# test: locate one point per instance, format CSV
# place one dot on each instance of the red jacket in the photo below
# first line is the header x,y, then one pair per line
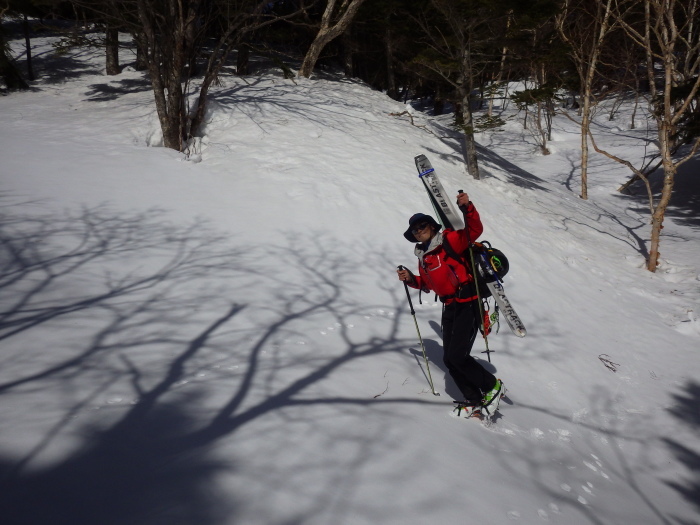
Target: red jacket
x,y
441,273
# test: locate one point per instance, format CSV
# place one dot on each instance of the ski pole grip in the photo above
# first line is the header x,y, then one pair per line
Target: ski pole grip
x,y
402,267
463,208
408,294
466,222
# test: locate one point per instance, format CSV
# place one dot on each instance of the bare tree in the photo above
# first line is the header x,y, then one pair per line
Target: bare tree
x,y
8,71
584,32
335,20
542,98
112,49
172,36
28,47
496,84
241,21
165,28
669,35
455,46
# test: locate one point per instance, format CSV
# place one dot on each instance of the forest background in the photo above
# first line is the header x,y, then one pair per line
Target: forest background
x,y
568,55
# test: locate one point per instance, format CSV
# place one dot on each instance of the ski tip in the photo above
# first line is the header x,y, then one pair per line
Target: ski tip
x,y
521,332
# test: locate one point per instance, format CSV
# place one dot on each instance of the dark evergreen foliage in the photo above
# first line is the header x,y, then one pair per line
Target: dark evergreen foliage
x,y
406,48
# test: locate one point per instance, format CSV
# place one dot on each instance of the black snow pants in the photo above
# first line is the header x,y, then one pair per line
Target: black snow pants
x,y
460,324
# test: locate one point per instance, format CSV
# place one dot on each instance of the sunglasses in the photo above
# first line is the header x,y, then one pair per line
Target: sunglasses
x,y
419,227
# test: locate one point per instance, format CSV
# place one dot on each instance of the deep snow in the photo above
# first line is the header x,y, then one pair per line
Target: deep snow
x,y
223,339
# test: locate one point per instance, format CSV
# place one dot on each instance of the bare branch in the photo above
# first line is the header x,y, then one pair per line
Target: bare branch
x,y
692,152
627,163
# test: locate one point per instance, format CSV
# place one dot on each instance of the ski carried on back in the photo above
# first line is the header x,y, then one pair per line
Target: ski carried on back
x,y
512,318
443,207
495,286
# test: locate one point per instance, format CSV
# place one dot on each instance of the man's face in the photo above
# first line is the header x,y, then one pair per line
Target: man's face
x,y
423,231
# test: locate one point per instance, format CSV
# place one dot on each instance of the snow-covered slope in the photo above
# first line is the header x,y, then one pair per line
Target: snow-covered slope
x,y
225,341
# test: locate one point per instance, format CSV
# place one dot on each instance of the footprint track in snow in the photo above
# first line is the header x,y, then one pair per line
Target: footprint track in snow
x,y
543,514
335,327
379,313
587,489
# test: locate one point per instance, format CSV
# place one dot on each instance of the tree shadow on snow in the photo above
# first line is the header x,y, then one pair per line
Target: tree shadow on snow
x,y
132,473
53,68
570,462
491,164
684,207
514,174
117,87
138,312
72,60
434,353
257,97
686,410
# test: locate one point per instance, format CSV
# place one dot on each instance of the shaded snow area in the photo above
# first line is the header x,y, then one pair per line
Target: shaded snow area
x,y
222,339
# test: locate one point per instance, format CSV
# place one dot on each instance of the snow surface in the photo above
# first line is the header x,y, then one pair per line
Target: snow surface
x,y
224,340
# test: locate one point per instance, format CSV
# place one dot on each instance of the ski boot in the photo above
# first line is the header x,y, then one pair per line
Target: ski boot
x,y
489,405
467,409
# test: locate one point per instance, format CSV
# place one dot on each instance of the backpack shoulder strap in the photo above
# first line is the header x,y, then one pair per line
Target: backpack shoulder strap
x,y
450,251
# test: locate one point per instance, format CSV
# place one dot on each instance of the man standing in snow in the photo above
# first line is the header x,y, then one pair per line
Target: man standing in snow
x,y
452,281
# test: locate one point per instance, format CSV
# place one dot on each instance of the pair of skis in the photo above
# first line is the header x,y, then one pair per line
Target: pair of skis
x,y
450,219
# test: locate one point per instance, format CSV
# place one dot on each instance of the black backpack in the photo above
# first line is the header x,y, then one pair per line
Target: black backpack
x,y
493,259
491,263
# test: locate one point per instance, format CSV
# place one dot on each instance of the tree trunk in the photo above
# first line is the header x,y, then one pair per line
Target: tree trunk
x,y
28,46
112,50
166,82
470,156
328,32
585,126
541,131
497,82
501,67
390,77
592,67
348,52
9,72
585,112
217,59
633,124
190,35
657,218
243,60
438,102
307,66
141,51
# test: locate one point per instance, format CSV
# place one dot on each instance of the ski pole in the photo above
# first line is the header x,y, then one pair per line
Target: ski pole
x,y
413,313
475,272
